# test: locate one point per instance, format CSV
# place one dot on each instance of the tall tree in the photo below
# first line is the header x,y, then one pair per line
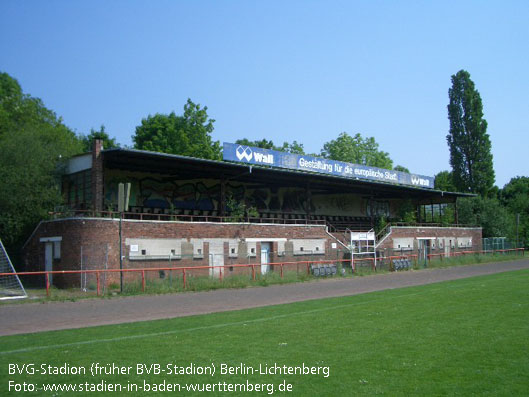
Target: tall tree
x,y
186,135
401,168
357,150
488,213
443,181
108,142
294,147
515,196
469,143
33,144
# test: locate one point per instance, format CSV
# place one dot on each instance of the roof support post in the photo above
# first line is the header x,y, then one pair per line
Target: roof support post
x,y
309,200
97,175
222,203
455,212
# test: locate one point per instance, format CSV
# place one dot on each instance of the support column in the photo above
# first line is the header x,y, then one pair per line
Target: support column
x,y
97,175
222,203
309,200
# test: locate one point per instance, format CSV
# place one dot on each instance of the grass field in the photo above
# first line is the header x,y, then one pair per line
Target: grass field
x,y
463,337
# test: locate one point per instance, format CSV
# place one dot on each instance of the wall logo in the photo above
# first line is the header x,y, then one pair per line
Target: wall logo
x,y
420,181
244,153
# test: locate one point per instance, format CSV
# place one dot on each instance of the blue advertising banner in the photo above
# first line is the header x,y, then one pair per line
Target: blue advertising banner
x,y
273,158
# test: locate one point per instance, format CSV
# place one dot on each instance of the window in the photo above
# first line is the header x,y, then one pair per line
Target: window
x,y
56,250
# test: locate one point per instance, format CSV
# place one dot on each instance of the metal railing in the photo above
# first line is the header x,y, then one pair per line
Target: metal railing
x,y
185,271
191,217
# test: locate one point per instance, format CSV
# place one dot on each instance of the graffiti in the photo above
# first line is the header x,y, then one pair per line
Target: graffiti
x,y
167,193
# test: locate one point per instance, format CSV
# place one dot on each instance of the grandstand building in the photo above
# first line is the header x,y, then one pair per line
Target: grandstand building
x,y
185,211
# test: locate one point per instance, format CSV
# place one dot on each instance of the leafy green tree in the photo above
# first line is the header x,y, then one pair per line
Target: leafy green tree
x,y
108,142
407,212
34,144
186,135
469,143
357,150
401,168
488,213
443,181
515,196
294,147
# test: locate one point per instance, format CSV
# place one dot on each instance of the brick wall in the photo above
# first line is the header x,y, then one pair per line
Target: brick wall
x,y
435,232
103,234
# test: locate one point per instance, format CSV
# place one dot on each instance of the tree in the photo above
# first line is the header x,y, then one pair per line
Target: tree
x,y
469,143
34,144
515,196
401,168
356,150
294,147
186,135
488,213
108,143
443,181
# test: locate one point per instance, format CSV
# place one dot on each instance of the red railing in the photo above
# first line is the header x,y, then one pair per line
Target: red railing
x,y
183,270
222,268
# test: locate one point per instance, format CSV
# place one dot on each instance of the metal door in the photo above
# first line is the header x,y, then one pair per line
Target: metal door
x,y
265,256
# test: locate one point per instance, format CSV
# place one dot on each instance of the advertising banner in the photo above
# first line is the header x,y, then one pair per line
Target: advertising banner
x,y
273,158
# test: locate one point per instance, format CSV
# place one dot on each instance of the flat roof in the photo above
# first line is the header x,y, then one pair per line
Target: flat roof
x,y
185,168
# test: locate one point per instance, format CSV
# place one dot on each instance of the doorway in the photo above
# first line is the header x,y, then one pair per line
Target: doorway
x,y
48,260
424,250
265,257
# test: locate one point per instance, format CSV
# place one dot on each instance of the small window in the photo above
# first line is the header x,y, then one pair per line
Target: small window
x,y
233,250
231,268
144,252
317,248
301,248
199,251
252,250
56,250
173,252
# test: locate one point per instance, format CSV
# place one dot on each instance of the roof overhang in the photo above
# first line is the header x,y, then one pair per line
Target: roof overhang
x,y
184,168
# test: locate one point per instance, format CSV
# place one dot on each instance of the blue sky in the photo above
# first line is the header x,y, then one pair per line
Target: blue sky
x,y
281,70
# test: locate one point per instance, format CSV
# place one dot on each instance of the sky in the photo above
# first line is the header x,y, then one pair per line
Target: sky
x,y
280,70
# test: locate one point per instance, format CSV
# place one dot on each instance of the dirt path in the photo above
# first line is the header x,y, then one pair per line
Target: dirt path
x,y
37,317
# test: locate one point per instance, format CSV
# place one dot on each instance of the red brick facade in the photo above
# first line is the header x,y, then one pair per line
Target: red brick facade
x,y
96,240
100,234
474,233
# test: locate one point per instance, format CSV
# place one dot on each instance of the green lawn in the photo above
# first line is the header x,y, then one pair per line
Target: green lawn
x,y
463,337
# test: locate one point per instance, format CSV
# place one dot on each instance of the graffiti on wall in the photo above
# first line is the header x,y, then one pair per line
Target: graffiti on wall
x,y
153,191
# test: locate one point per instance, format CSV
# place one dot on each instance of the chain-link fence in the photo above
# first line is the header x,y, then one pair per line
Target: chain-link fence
x,y
501,243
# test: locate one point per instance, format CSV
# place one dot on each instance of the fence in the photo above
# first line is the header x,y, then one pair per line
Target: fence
x,y
179,278
182,274
500,243
386,257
